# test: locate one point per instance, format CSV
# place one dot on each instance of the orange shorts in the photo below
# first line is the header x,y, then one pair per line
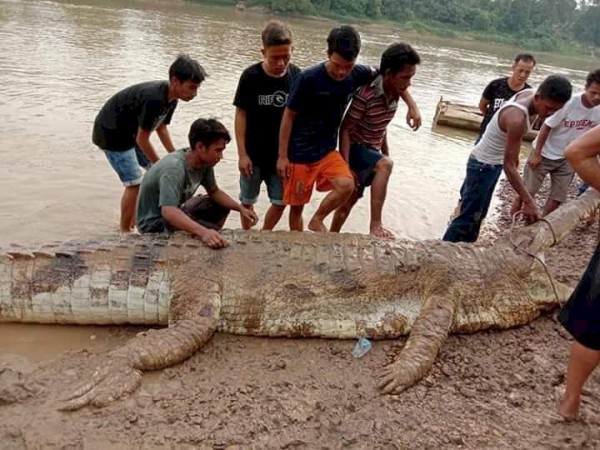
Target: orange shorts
x,y
298,187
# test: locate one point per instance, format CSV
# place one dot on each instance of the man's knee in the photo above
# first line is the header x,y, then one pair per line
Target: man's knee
x,y
384,165
344,186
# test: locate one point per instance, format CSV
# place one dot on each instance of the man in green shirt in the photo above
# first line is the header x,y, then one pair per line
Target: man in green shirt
x,y
166,200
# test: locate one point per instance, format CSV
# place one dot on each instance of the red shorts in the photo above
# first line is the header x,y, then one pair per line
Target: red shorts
x,y
298,187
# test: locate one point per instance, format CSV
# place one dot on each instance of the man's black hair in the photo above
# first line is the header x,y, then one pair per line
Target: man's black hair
x,y
556,88
185,68
207,131
397,56
525,57
276,33
345,41
593,77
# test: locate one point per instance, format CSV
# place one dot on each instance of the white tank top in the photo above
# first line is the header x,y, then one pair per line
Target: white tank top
x,y
490,149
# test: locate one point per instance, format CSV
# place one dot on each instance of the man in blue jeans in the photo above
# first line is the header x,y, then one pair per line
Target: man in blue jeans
x,y
499,149
124,124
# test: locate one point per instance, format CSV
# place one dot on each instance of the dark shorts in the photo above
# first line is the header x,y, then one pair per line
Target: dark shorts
x,y
581,314
362,163
201,209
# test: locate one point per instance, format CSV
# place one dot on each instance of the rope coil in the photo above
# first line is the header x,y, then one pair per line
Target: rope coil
x,y
528,253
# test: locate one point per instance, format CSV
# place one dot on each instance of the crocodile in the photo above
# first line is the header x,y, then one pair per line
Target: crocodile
x,y
280,283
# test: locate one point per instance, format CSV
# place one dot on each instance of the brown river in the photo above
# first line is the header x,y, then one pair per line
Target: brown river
x,y
60,60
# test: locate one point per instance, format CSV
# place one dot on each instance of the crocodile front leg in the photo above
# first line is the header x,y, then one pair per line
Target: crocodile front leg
x,y
195,317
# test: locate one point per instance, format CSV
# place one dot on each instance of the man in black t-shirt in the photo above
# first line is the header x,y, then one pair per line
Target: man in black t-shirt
x,y
123,126
501,89
259,100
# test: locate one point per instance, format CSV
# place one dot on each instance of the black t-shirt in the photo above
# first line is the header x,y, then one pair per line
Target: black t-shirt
x,y
143,105
263,98
320,102
496,93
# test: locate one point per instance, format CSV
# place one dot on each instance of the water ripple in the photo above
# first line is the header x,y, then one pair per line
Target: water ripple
x,y
59,62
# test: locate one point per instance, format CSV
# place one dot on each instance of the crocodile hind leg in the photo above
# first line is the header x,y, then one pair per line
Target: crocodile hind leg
x,y
195,318
416,358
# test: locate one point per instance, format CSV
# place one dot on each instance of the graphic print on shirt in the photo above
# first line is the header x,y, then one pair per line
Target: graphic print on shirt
x,y
278,99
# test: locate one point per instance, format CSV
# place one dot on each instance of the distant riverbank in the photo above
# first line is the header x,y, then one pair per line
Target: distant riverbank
x,y
303,8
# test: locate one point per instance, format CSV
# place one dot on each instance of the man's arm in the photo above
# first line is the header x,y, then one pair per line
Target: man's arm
x,y
222,198
513,122
346,129
583,154
384,146
165,137
535,158
244,161
354,115
285,131
487,96
142,139
413,116
484,103
181,221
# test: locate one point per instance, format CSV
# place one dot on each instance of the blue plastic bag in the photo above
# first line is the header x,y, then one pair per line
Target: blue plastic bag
x,y
362,347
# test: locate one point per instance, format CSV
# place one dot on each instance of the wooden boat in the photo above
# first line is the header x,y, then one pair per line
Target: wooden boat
x,y
463,116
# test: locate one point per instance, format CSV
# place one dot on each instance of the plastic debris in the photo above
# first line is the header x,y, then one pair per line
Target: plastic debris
x,y
362,347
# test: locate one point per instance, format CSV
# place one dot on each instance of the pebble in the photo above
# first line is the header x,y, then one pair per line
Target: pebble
x,y
467,392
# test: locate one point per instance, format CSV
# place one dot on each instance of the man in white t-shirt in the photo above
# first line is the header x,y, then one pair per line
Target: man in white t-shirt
x,y
579,115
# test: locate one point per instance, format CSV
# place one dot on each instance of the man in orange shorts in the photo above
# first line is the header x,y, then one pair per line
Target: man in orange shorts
x,y
309,127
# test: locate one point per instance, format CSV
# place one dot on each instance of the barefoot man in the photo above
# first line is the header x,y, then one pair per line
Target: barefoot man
x,y
309,129
363,136
581,314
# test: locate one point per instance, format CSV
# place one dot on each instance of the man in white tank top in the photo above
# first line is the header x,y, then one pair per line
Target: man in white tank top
x,y
579,115
499,148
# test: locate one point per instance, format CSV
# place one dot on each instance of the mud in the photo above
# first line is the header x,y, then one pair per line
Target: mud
x,y
486,390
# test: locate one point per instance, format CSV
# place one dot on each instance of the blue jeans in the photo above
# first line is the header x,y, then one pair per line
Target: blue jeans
x,y
582,188
250,187
128,165
475,198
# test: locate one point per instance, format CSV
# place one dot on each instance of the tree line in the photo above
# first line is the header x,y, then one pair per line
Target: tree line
x,y
537,24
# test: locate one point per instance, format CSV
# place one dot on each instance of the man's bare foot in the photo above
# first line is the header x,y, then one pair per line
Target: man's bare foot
x,y
382,233
317,226
568,408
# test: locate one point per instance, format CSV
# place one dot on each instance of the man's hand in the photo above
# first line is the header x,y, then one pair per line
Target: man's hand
x,y
249,215
534,161
284,169
530,212
245,166
413,118
516,206
213,239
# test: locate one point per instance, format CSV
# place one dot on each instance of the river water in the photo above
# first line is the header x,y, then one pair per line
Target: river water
x,y
60,60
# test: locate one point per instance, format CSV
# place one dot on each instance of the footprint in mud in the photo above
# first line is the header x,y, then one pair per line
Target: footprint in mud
x,y
15,386
11,438
567,435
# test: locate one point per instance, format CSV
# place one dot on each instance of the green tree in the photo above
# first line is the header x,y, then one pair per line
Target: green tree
x,y
587,26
